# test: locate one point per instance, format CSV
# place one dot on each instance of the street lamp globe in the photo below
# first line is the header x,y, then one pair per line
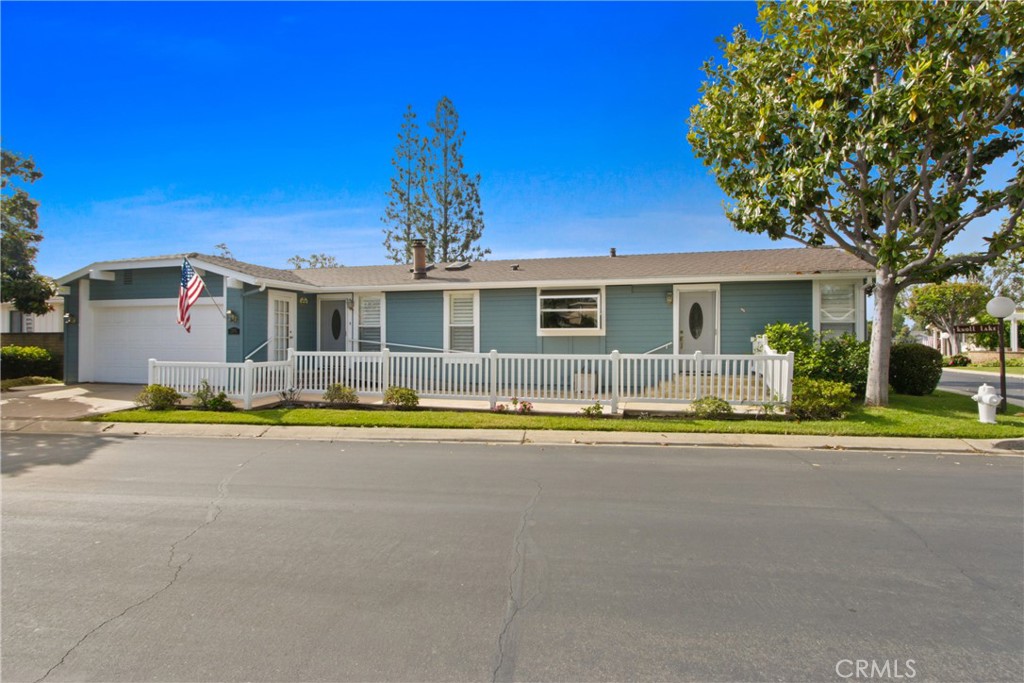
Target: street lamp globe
x,y
1000,307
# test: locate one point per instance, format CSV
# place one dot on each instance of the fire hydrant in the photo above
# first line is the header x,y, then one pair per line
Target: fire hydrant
x,y
988,400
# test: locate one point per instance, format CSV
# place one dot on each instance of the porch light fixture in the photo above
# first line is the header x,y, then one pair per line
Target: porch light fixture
x,y
303,300
231,316
70,319
668,297
1001,308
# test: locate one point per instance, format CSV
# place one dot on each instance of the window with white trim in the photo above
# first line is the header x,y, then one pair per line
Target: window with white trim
x,y
371,323
461,322
838,308
570,311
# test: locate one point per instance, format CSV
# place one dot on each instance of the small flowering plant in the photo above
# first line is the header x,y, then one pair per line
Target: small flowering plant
x,y
521,407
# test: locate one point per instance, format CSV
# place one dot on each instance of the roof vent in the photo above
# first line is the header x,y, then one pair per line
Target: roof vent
x,y
611,252
458,265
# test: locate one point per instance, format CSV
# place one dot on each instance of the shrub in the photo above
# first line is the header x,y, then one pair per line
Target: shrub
x,y
711,407
783,338
820,399
25,361
593,412
823,356
205,399
401,397
841,359
158,397
957,361
914,369
339,393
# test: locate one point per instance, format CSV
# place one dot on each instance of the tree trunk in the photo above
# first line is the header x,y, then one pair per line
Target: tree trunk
x,y
877,392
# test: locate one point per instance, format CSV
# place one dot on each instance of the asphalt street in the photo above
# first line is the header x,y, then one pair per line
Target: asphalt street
x,y
964,382
185,559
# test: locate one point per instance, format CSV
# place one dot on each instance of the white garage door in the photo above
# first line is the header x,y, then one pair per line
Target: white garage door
x,y
126,337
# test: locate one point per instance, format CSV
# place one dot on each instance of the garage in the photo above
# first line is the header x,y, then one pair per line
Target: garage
x,y
125,336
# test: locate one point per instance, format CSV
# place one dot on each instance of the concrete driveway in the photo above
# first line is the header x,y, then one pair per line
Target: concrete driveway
x,y
63,402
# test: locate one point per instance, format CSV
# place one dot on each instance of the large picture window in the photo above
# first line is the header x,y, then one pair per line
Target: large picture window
x,y
570,311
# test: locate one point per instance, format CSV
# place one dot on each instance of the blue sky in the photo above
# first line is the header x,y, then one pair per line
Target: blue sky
x,y
171,127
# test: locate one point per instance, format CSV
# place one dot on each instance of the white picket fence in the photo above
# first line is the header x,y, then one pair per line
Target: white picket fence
x,y
758,379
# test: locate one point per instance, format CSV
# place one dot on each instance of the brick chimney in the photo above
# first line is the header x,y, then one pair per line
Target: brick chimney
x,y
419,259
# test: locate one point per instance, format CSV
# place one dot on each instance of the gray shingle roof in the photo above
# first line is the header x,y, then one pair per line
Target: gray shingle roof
x,y
622,268
695,266
262,272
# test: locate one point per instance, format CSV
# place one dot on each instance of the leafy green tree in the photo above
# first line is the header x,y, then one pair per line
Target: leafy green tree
x,y
1005,277
405,216
19,214
871,126
314,261
454,220
947,305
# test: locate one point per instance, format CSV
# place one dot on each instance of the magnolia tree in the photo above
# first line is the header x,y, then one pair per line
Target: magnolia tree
x,y
947,305
885,129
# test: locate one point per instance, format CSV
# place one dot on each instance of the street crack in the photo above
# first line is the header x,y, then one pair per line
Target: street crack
x,y
213,511
522,545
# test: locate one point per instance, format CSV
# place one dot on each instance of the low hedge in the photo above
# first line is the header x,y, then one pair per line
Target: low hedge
x,y
27,361
820,399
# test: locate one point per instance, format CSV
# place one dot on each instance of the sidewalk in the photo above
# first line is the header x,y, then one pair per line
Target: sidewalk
x,y
54,409
520,437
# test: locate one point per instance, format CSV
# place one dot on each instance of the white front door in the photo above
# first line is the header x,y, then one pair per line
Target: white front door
x,y
280,325
697,321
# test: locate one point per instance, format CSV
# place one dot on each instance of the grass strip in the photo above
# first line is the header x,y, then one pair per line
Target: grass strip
x,y
938,415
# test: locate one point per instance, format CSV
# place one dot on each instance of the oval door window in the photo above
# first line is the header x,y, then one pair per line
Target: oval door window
x,y
336,324
696,320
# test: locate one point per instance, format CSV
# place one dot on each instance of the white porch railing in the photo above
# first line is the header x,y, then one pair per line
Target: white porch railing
x,y
239,381
760,379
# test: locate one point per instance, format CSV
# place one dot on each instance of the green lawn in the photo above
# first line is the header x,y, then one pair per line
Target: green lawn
x,y
939,415
989,368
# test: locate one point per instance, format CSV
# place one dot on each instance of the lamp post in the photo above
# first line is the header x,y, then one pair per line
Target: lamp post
x,y
1001,307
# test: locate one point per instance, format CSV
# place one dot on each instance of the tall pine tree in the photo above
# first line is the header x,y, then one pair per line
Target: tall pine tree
x,y
405,214
431,195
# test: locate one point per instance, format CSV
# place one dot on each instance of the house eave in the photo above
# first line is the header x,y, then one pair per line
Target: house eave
x,y
198,263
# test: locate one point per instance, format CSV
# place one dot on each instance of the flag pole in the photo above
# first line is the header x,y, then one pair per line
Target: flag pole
x,y
207,290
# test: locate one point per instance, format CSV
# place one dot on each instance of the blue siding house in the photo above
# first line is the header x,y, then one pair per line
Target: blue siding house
x,y
122,313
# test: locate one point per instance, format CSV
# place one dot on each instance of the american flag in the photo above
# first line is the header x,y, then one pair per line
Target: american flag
x,y
191,288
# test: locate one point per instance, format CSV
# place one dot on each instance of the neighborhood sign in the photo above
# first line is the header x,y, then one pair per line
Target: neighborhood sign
x,y
975,329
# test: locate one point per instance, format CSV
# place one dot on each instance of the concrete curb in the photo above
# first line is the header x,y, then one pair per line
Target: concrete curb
x,y
1001,447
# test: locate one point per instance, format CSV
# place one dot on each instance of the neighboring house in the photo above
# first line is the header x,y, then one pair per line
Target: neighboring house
x,y
16,322
714,302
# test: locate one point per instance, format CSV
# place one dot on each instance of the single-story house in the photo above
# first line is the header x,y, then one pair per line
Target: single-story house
x,y
124,312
